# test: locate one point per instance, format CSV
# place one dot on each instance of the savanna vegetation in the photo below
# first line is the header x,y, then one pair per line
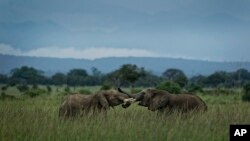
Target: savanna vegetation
x,y
30,101
128,75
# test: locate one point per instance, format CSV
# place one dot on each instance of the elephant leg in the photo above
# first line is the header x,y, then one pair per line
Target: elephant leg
x,y
166,110
74,111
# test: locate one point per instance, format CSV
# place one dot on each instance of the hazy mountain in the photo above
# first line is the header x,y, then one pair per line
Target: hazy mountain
x,y
155,65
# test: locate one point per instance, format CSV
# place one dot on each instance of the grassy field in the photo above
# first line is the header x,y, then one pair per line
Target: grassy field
x,y
37,119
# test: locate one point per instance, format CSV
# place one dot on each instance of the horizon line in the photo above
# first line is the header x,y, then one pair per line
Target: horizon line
x,y
153,57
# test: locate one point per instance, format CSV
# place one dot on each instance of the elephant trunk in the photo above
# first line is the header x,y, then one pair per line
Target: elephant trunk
x,y
135,96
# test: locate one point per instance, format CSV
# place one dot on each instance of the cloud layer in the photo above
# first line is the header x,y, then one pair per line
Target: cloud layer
x,y
71,52
203,30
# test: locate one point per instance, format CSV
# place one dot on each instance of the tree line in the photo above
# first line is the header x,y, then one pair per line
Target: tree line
x,y
127,75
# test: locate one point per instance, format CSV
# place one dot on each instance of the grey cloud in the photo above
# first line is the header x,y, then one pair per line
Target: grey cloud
x,y
194,28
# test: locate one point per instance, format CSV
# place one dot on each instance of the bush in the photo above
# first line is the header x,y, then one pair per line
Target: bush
x,y
246,95
23,88
4,88
5,96
219,91
2,95
170,86
85,91
67,89
34,86
136,90
105,86
48,88
194,88
63,93
35,92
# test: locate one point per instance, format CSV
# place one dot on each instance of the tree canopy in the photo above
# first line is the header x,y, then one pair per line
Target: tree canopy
x,y
176,75
126,75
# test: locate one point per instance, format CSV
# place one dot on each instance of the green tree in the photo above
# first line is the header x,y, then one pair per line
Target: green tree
x,y
176,75
59,79
198,80
216,79
27,75
113,78
149,80
240,77
96,72
77,77
96,78
131,73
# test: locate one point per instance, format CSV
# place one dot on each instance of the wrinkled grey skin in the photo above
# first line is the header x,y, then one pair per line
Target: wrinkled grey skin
x,y
77,104
164,101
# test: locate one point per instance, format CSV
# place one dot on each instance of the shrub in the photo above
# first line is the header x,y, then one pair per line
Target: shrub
x,y
106,86
136,90
23,88
4,88
35,92
194,88
219,91
34,86
67,89
246,95
5,96
170,86
2,95
63,93
85,91
48,88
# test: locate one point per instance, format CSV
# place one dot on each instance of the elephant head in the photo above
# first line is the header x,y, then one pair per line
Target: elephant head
x,y
113,98
137,96
153,99
145,97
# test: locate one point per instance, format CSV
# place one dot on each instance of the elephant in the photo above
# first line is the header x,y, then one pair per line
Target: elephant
x,y
164,101
77,104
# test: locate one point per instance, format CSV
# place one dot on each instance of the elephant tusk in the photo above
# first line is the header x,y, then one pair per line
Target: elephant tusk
x,y
129,100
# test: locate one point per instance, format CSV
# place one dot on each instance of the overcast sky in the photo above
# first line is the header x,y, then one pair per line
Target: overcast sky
x,y
217,30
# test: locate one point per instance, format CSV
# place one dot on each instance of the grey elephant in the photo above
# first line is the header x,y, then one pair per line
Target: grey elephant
x,y
77,104
163,101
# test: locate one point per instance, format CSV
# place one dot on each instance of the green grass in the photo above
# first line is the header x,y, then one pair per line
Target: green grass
x,y
37,119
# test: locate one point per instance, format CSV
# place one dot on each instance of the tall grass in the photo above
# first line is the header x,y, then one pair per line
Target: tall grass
x,y
37,119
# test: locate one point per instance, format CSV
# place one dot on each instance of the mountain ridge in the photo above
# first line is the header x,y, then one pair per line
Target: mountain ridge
x,y
156,65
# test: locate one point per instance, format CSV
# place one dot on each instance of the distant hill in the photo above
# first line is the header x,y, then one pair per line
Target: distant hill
x,y
155,65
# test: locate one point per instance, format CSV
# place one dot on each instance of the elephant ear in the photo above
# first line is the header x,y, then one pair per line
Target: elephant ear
x,y
164,101
158,101
102,100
